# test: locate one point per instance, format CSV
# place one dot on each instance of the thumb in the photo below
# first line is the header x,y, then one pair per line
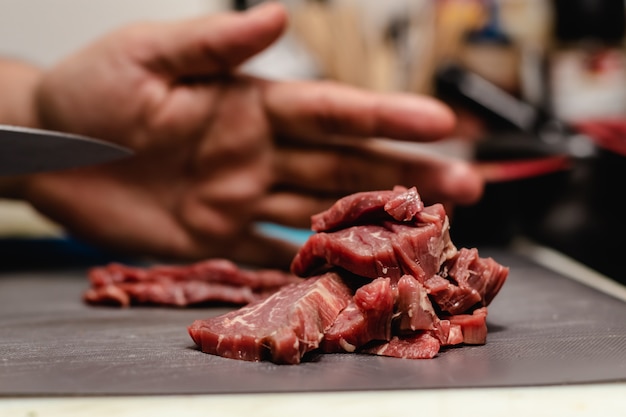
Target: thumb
x,y
212,44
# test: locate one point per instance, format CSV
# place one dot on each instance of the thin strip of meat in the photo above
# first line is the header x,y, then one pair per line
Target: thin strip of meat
x,y
282,328
366,207
421,345
211,281
211,270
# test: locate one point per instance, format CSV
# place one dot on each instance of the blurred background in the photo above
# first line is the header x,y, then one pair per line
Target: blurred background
x,y
539,87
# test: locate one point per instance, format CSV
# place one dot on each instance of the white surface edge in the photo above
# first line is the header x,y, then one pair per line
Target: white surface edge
x,y
556,261
577,401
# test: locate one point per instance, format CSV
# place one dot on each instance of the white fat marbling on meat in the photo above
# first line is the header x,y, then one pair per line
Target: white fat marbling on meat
x,y
345,345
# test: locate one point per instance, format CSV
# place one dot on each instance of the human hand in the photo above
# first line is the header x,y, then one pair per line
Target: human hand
x,y
218,151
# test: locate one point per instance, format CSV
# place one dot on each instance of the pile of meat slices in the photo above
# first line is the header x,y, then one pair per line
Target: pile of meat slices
x,y
381,277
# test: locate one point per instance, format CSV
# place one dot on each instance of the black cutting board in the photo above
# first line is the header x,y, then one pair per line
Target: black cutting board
x,y
544,329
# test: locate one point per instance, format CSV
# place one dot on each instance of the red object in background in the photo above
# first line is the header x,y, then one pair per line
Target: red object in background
x,y
501,171
608,134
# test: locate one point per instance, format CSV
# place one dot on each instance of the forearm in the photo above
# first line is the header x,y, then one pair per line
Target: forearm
x,y
18,84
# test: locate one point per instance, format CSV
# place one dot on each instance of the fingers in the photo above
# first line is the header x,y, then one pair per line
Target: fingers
x,y
460,183
336,172
212,44
312,111
291,209
254,249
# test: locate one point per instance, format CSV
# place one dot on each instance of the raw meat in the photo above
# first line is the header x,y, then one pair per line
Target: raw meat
x,y
386,249
403,207
415,311
282,328
215,280
367,317
466,281
417,346
400,203
401,288
472,326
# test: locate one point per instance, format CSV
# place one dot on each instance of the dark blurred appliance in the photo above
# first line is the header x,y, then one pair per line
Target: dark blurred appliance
x,y
578,211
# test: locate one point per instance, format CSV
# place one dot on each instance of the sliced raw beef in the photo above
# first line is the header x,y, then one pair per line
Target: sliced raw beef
x,y
418,346
404,207
381,276
367,317
216,280
381,309
466,281
414,309
386,249
483,275
400,203
282,328
473,326
172,293
384,279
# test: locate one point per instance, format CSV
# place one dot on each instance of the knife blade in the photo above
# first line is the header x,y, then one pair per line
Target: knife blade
x,y
26,150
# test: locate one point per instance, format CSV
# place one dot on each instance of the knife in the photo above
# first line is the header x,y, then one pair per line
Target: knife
x,y
26,150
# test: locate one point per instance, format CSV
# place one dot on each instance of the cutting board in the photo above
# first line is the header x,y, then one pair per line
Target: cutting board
x,y
544,329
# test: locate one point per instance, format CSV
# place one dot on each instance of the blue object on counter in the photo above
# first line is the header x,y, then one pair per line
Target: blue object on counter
x,y
295,235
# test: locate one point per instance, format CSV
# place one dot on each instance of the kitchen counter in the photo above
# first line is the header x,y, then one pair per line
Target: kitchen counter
x,y
552,401
577,398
